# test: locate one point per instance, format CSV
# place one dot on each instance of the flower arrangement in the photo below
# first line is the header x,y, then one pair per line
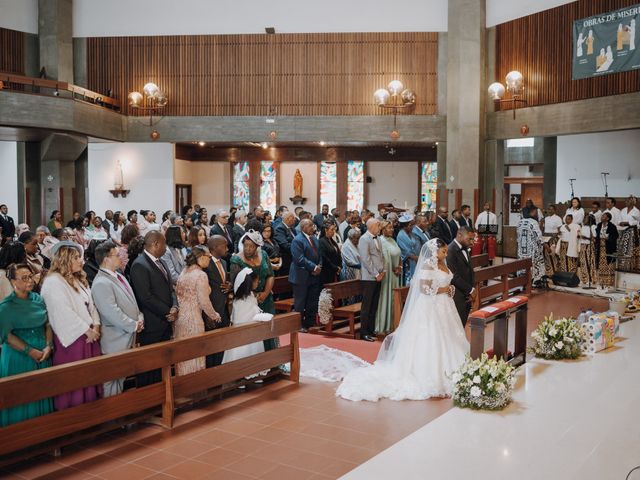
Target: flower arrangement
x,y
557,339
483,384
325,306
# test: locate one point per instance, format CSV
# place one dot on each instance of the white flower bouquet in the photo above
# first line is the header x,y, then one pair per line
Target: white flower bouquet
x,y
483,384
557,339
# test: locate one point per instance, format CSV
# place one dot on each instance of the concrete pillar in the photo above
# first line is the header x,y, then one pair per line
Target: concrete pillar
x,y
33,203
31,55
465,95
80,62
442,73
550,151
55,32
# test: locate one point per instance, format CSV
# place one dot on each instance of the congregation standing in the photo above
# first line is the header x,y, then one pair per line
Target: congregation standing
x,y
99,285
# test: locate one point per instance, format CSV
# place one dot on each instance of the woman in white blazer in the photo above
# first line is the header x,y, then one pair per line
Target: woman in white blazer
x,y
73,317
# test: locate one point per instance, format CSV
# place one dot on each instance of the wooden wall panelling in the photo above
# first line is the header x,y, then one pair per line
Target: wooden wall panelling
x,y
311,74
12,51
540,47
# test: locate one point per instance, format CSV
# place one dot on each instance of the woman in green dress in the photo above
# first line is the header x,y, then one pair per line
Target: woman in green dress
x,y
27,339
251,255
393,266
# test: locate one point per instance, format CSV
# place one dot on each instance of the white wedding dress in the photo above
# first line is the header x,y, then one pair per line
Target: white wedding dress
x,y
417,360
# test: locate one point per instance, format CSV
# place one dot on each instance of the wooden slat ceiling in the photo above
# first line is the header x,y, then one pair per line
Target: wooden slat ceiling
x,y
540,47
298,74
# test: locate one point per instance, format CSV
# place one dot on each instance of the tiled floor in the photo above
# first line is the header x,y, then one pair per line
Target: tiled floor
x,y
280,431
570,420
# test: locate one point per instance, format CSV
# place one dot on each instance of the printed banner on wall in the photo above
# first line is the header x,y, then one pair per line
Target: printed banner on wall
x,y
606,43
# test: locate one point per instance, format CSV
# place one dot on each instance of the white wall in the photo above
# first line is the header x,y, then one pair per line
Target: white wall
x,y
21,15
309,171
148,173
211,185
182,172
190,17
583,157
501,11
9,177
393,182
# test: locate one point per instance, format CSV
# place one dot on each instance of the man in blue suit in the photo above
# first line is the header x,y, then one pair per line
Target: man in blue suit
x,y
420,229
304,273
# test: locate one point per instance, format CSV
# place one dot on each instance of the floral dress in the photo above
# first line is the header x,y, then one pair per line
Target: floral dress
x,y
193,293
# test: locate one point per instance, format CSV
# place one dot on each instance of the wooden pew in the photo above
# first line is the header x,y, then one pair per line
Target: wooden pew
x,y
505,286
343,321
400,294
282,288
64,427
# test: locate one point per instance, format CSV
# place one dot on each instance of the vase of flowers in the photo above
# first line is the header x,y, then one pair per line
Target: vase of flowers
x,y
557,339
483,384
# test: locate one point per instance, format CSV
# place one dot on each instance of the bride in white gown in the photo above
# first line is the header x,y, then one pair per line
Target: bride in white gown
x,y
416,361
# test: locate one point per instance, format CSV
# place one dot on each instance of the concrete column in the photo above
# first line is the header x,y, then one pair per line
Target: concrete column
x,y
442,73
80,62
550,152
55,32
466,41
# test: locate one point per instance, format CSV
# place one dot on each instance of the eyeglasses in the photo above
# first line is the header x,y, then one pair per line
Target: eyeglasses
x,y
26,278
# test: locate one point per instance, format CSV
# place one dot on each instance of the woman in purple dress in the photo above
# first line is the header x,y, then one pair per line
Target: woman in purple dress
x,y
73,318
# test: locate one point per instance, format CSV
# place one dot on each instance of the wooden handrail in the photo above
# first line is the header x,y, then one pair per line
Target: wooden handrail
x,y
48,382
75,90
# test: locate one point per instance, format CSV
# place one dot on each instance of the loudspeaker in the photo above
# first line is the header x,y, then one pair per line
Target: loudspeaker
x,y
369,180
565,279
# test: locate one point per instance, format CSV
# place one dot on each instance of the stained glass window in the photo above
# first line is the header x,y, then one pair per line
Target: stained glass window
x,y
355,185
268,185
241,185
428,185
328,183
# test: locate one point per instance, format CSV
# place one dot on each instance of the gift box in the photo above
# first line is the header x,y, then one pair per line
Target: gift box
x,y
601,331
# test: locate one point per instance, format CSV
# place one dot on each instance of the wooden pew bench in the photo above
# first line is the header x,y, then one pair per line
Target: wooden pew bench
x,y
57,429
343,321
281,290
499,314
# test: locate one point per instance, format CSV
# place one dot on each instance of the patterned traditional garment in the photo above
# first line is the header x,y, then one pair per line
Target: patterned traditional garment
x,y
550,257
587,263
629,247
530,246
566,263
606,267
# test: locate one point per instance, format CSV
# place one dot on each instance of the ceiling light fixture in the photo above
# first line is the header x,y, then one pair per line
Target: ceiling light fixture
x,y
397,98
514,85
152,101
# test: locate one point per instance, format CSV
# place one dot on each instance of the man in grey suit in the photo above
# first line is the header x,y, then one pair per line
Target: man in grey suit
x,y
373,272
119,314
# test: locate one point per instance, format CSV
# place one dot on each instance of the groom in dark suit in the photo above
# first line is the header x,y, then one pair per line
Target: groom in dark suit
x,y
304,273
459,262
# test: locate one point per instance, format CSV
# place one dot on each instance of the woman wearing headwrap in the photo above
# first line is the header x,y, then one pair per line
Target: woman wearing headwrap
x,y
251,255
409,247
